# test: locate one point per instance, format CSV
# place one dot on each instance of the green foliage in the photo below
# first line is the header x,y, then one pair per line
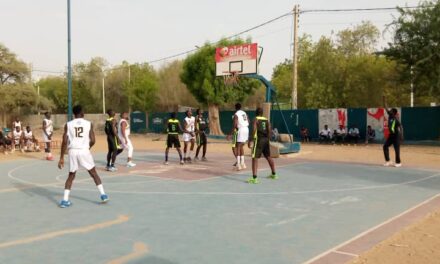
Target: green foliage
x,y
55,89
17,95
143,87
12,70
199,76
417,44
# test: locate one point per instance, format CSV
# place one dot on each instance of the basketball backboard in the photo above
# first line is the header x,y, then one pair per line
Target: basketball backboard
x,y
238,59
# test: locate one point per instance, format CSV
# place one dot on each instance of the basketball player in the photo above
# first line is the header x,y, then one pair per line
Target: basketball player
x,y
78,138
47,135
394,137
30,141
173,128
18,139
114,149
261,140
124,133
188,135
241,125
17,123
201,127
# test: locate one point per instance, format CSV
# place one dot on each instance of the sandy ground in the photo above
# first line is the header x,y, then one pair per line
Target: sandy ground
x,y
419,243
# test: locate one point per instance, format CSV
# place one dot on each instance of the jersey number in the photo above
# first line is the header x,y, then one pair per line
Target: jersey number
x,y
263,124
78,132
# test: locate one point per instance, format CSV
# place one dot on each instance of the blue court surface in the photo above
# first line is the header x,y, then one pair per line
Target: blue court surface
x,y
198,213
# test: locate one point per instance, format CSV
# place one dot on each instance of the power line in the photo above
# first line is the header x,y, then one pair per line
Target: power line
x,y
356,9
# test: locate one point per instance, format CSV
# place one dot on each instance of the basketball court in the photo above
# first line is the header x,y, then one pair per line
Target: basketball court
x,y
206,213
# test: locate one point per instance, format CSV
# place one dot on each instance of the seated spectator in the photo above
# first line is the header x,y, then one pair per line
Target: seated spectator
x,y
325,135
30,142
354,135
18,139
305,134
5,143
371,134
340,134
275,135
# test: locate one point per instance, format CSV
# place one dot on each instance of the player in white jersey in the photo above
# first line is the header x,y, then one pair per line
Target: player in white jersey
x,y
78,138
30,142
17,135
188,135
124,138
17,123
47,135
241,125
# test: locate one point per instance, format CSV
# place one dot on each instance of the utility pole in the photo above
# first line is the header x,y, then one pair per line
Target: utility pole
x,y
295,58
103,95
69,66
412,86
129,89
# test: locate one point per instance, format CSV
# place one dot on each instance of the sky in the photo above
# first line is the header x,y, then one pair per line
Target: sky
x,y
139,31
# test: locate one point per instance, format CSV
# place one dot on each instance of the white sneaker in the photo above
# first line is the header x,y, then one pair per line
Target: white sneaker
x,y
165,163
238,167
398,165
387,164
243,166
131,164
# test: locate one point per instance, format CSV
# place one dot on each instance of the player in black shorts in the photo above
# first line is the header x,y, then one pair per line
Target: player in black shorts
x,y
114,148
394,137
201,139
173,128
261,145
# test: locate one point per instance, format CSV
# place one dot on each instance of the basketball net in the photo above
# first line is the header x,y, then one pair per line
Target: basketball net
x,y
232,79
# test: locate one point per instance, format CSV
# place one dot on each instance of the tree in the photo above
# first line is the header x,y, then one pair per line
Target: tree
x,y
54,88
12,70
199,76
416,45
143,87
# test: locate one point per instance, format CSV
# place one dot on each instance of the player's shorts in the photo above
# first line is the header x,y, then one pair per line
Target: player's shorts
x,y
261,146
173,141
46,139
80,157
187,137
234,139
243,135
112,143
201,139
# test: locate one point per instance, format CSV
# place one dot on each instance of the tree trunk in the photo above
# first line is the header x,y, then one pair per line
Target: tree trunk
x,y
214,120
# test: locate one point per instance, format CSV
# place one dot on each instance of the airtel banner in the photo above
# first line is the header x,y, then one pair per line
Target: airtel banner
x,y
237,52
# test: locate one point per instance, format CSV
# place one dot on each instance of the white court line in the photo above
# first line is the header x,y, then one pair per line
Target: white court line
x,y
334,249
346,253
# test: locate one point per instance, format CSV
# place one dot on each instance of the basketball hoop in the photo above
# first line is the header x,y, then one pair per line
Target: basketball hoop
x,y
232,79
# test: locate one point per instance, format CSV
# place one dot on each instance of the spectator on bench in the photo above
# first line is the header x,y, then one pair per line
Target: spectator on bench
x,y
305,134
275,135
30,142
340,134
325,135
18,139
5,142
353,134
371,134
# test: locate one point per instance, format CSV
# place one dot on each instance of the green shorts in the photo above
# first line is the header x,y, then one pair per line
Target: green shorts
x,y
261,146
173,141
201,139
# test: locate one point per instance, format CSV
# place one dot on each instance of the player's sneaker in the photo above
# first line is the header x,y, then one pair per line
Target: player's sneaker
x,y
238,167
166,163
196,159
204,159
64,204
189,160
234,165
111,168
243,166
398,165
253,181
131,164
182,162
273,177
387,164
104,198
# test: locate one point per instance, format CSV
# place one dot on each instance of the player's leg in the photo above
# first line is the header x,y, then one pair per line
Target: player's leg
x,y
386,150
396,145
185,146
116,151
205,147
199,146
191,149
67,187
98,183
176,143
256,154
109,153
180,155
130,150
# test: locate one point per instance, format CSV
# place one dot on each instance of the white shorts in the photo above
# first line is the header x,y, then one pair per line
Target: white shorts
x,y
187,137
243,135
46,139
80,157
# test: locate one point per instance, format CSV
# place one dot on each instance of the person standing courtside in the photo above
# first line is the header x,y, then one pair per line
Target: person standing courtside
x,y
188,136
201,127
114,148
173,128
261,135
394,137
124,138
241,125
47,135
78,138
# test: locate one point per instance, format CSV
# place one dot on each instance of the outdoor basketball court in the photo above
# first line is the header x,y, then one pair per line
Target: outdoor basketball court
x,y
206,213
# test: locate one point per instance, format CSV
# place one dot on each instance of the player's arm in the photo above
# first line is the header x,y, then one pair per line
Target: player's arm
x,y
254,130
92,136
123,126
234,126
385,105
180,127
269,130
44,129
63,148
115,130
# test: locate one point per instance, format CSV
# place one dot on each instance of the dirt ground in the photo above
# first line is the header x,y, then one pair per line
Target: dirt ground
x,y
419,243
